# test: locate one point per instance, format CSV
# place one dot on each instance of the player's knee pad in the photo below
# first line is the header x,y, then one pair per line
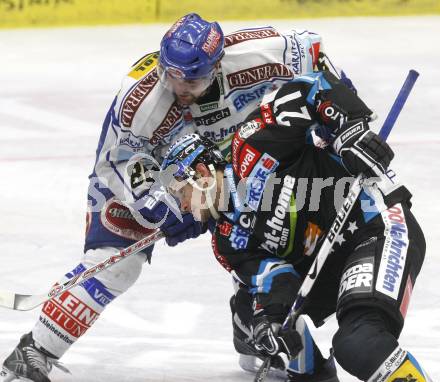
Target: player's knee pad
x,y
400,366
363,340
119,277
382,270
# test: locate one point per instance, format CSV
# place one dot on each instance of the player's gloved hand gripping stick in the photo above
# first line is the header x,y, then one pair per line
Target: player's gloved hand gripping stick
x,y
339,222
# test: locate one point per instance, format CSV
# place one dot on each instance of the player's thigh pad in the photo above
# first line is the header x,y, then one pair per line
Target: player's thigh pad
x,y
119,277
381,271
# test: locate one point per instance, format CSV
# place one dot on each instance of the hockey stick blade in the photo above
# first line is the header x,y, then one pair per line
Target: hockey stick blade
x,y
16,301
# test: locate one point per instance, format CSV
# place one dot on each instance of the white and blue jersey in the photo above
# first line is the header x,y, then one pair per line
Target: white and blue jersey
x,y
145,118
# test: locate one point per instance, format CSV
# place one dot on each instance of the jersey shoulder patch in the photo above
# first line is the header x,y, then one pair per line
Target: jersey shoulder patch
x,y
144,66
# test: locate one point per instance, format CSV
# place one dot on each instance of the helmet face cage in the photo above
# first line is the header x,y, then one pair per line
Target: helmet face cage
x,y
190,50
189,150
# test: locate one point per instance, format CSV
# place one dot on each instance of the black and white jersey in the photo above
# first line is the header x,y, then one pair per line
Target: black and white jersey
x,y
284,190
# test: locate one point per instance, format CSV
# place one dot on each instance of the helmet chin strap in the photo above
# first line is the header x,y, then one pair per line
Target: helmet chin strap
x,y
207,191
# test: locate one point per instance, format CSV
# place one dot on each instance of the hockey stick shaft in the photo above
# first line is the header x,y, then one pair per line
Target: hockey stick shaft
x,y
347,205
339,222
17,301
398,104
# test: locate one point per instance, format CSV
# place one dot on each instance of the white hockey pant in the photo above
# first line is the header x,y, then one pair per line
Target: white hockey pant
x,y
67,317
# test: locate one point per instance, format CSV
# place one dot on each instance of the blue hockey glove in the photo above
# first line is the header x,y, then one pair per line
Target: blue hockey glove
x,y
176,231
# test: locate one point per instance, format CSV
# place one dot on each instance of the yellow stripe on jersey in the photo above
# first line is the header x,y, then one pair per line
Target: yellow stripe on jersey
x,y
144,66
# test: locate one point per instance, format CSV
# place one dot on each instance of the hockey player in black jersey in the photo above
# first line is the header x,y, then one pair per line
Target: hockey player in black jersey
x,y
274,203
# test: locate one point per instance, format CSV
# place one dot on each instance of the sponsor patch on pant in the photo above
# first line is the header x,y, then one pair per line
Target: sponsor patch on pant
x,y
70,314
357,278
392,264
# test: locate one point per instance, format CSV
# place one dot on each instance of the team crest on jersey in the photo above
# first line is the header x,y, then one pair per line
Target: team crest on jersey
x,y
249,128
118,219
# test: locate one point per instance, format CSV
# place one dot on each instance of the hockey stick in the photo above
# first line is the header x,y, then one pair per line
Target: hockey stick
x,y
340,220
17,301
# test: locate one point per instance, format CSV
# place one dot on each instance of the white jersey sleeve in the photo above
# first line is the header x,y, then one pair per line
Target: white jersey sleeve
x,y
142,121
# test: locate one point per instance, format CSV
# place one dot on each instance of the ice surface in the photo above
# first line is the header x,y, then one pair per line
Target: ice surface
x,y
174,324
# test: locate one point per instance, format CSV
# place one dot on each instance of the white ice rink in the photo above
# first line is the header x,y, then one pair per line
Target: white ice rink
x,y
174,324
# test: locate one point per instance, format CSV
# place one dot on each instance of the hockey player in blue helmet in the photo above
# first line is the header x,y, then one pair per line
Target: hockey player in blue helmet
x,y
263,236
180,88
190,53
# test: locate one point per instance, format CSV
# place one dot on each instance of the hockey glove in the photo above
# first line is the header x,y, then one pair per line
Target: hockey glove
x,y
176,231
361,150
271,340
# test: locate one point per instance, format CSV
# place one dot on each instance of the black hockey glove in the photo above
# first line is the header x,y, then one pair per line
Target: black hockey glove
x,y
271,340
361,150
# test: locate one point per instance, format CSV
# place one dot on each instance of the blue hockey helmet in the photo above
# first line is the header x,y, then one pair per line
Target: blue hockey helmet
x,y
184,155
189,150
191,49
